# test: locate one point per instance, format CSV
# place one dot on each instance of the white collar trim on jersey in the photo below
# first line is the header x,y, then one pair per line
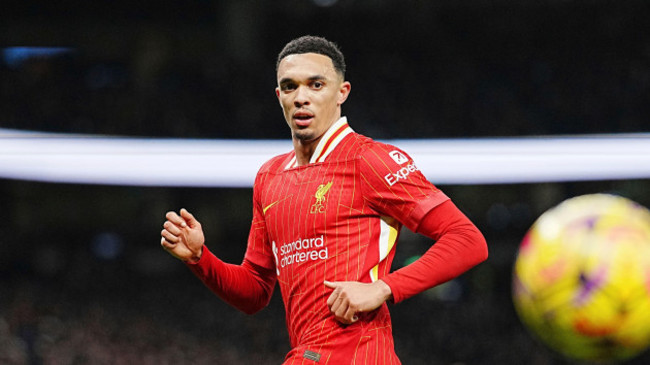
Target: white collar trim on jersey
x,y
332,137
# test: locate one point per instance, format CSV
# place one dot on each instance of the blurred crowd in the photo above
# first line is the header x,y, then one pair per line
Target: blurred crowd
x,y
172,325
178,322
42,327
427,70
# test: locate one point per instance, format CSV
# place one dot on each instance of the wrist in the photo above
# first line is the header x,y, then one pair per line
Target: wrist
x,y
196,257
385,290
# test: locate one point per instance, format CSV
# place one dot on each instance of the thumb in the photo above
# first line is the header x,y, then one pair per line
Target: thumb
x,y
189,218
329,284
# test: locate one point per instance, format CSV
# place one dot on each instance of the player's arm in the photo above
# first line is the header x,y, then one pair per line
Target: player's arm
x,y
247,287
394,186
349,298
459,247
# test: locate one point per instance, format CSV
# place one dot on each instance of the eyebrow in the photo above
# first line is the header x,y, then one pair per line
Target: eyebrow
x,y
312,78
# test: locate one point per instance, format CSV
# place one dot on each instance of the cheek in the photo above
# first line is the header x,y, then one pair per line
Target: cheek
x,y
331,102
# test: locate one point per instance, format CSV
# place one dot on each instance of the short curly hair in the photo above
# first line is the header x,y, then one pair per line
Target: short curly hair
x,y
314,44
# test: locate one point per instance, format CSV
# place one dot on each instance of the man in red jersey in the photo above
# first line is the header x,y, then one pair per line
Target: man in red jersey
x,y
326,217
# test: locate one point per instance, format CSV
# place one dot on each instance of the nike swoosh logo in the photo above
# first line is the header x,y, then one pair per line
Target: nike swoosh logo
x,y
274,203
269,206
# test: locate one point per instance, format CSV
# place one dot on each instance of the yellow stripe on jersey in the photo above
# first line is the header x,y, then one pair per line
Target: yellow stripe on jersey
x,y
325,145
337,136
387,237
331,138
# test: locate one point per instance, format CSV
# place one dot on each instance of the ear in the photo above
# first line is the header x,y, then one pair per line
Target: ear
x,y
344,91
277,94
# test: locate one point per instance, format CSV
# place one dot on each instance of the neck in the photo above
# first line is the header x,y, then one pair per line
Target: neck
x,y
304,149
319,148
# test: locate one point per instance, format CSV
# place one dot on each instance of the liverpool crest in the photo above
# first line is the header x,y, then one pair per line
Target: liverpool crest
x,y
321,192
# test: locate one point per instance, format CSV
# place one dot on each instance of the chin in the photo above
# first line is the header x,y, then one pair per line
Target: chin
x,y
303,135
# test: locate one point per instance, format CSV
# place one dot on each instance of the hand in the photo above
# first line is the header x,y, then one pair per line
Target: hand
x,y
352,297
182,236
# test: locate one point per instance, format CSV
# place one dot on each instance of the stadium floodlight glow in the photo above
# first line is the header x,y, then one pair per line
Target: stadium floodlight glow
x,y
87,159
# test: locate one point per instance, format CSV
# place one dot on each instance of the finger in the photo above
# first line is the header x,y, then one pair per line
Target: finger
x,y
341,311
330,302
165,244
335,294
175,218
341,315
333,298
189,218
350,315
339,306
172,228
169,237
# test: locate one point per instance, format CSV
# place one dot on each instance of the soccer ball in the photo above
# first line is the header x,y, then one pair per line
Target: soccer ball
x,y
581,280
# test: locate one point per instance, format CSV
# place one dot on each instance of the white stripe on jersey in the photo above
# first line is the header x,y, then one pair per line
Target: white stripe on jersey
x,y
387,238
293,163
319,155
321,144
335,142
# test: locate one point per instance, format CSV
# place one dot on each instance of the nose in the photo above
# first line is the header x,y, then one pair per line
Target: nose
x,y
302,96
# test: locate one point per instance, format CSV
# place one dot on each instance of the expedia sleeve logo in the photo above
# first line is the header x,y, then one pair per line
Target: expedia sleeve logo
x,y
393,178
398,157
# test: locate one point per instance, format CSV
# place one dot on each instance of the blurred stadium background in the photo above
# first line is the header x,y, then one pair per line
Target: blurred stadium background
x,y
82,277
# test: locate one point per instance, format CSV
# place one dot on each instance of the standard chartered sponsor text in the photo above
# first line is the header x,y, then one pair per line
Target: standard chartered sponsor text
x,y
302,250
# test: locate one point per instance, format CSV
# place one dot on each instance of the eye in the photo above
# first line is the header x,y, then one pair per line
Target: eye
x,y
289,86
317,85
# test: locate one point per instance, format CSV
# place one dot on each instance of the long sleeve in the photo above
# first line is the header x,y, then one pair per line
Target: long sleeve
x,y
459,247
247,287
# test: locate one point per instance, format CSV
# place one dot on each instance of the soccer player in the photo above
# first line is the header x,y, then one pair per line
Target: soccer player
x,y
326,218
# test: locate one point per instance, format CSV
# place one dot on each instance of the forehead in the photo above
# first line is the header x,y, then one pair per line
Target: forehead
x,y
305,65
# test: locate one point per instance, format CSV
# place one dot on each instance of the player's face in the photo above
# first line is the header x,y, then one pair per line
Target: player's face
x,y
310,92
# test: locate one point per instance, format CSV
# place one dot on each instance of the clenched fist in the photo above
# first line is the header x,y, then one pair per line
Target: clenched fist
x,y
350,298
182,236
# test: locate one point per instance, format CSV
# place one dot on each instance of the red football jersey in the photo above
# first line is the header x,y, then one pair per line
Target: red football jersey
x,y
336,219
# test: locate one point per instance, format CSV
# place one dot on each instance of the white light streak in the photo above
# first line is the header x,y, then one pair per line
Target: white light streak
x,y
86,159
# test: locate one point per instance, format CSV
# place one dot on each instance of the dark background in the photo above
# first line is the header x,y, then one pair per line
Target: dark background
x,y
82,277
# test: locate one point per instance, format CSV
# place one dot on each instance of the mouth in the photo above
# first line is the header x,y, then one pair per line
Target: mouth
x,y
303,118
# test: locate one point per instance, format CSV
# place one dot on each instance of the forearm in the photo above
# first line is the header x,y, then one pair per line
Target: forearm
x,y
459,247
246,287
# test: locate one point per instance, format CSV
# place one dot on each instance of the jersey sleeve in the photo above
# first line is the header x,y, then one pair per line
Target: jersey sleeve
x,y
247,287
259,251
393,185
459,247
